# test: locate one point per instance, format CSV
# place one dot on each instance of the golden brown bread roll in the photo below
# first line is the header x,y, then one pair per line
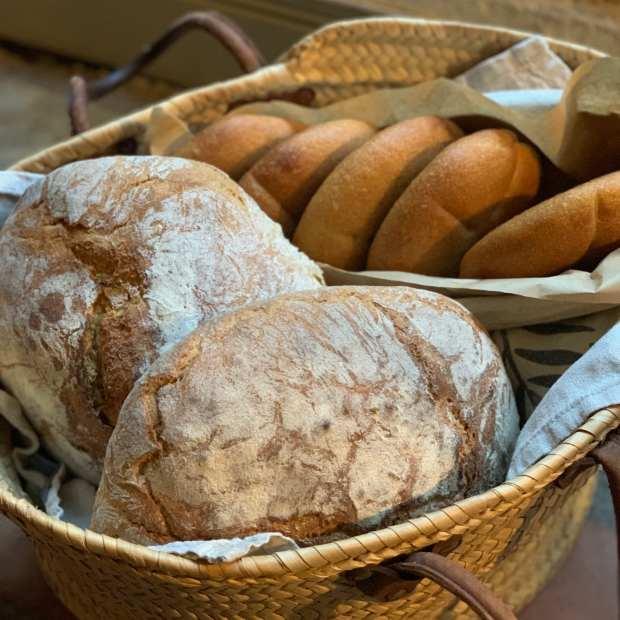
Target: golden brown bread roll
x,y
472,186
234,143
579,227
107,262
319,415
343,216
284,179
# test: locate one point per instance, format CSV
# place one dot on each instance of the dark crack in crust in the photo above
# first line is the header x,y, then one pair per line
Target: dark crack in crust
x,y
134,475
118,339
441,391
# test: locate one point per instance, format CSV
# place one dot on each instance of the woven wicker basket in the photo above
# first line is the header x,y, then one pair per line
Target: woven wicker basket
x,y
512,537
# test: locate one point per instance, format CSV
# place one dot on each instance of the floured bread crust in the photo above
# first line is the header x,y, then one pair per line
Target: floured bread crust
x,y
107,262
320,415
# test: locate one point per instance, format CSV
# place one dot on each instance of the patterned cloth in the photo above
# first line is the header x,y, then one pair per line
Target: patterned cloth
x,y
590,384
12,186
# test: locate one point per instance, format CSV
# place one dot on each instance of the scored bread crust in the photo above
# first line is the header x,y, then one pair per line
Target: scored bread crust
x,y
472,186
284,179
578,227
319,415
233,143
109,261
345,213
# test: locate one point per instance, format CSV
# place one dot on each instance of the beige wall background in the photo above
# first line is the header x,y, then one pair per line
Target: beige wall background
x,y
110,32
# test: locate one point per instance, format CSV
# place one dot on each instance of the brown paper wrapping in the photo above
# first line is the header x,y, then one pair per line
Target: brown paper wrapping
x,y
509,302
581,135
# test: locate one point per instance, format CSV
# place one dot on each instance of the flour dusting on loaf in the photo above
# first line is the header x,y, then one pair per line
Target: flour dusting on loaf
x,y
320,415
108,262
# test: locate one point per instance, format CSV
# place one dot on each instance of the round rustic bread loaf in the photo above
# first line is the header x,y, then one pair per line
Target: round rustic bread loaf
x,y
107,262
319,414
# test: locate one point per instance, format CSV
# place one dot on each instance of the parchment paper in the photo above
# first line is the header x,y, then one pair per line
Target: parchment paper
x,y
529,64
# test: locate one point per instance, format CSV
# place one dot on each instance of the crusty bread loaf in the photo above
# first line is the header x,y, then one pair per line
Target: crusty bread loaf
x,y
284,179
472,186
319,415
107,262
576,228
343,216
233,143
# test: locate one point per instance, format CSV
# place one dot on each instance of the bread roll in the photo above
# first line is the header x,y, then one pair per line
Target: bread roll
x,y
234,143
284,179
319,415
107,262
345,213
472,186
579,227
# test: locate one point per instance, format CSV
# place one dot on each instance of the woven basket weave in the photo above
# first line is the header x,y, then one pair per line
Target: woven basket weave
x,y
513,537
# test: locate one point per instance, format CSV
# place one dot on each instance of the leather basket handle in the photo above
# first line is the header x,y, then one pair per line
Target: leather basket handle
x,y
388,582
459,581
607,454
229,34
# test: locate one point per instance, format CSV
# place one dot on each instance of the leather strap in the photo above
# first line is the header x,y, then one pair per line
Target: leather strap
x,y
607,454
223,29
389,582
459,581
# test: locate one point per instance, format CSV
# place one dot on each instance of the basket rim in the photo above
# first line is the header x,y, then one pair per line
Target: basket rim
x,y
282,70
354,552
351,25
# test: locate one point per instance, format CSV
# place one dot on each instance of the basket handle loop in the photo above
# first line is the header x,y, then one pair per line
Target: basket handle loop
x,y
607,454
227,32
388,581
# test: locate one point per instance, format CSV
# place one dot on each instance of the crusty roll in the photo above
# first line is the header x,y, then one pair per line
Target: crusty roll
x,y
107,262
345,213
235,142
319,415
284,179
472,186
576,228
